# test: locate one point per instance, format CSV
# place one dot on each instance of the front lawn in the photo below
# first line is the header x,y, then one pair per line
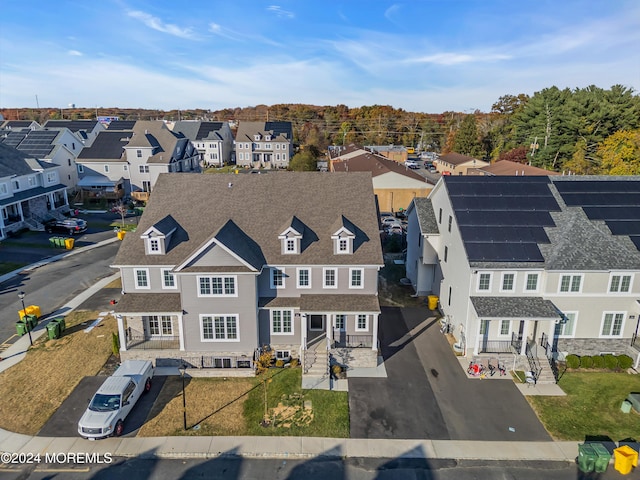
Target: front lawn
x,y
235,406
34,388
591,407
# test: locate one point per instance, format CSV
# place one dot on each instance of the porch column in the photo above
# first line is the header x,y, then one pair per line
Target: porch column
x,y
374,342
303,331
121,334
181,332
66,197
525,338
20,211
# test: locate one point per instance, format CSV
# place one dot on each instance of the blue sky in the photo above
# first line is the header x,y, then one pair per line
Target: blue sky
x,y
419,55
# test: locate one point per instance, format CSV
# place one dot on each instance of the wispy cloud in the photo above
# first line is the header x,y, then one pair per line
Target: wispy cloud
x,y
390,12
156,23
74,53
280,12
236,36
452,58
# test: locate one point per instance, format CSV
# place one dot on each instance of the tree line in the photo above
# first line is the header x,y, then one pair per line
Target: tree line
x,y
583,131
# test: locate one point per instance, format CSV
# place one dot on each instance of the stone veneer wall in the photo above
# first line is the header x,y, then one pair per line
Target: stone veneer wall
x,y
593,346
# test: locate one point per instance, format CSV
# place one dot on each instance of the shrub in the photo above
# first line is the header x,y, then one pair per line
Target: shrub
x,y
115,344
598,361
625,361
610,361
336,370
294,362
573,361
279,363
586,361
264,360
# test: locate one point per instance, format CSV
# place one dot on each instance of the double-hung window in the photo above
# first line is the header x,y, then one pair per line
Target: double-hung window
x,y
330,278
532,282
508,282
362,323
571,283
218,286
484,282
219,328
612,324
277,278
567,327
160,325
620,283
168,279
281,322
355,278
142,278
304,278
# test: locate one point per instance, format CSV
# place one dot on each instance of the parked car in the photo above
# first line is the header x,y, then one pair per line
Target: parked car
x,y
68,225
114,400
411,164
395,230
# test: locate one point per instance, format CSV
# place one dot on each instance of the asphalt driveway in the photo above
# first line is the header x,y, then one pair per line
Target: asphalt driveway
x,y
64,422
427,395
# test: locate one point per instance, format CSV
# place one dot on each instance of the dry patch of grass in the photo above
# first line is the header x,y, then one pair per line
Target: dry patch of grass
x,y
290,412
117,283
215,404
34,388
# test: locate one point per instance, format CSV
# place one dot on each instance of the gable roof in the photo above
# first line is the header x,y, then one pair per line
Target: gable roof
x,y
198,130
258,206
13,162
73,125
107,146
507,167
279,131
426,215
156,135
375,164
458,159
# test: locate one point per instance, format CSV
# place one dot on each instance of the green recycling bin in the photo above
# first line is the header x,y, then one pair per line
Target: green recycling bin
x,y
31,320
586,458
61,325
21,328
53,329
603,457
52,241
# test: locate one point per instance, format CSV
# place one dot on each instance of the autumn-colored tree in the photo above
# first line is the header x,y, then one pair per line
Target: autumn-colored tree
x,y
518,155
620,153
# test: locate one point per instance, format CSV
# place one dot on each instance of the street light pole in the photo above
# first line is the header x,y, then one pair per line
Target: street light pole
x,y
21,296
183,369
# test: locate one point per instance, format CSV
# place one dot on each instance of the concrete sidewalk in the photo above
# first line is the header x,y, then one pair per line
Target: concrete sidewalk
x,y
292,447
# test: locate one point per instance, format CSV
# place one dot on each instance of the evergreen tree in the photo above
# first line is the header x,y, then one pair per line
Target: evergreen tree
x,y
466,140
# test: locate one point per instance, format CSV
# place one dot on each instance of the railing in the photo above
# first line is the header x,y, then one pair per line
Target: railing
x,y
516,343
139,341
355,341
634,339
219,362
495,346
534,365
140,196
544,341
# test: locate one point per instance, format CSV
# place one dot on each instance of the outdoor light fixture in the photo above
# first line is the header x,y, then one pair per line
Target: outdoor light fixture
x,y
21,296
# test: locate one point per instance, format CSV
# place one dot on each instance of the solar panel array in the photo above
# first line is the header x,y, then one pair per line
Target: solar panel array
x,y
13,139
502,219
616,202
38,143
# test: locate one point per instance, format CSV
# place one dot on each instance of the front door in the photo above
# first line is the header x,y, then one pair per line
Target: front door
x,y
316,323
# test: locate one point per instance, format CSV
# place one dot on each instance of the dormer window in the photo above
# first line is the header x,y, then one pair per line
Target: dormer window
x,y
343,242
257,137
267,138
154,245
343,245
290,239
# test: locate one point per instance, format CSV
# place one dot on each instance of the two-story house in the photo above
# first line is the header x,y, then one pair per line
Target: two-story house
x,y
213,140
264,144
154,149
457,164
59,146
30,191
103,167
535,266
286,260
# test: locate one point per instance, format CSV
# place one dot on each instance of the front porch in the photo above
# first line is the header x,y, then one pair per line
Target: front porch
x,y
31,208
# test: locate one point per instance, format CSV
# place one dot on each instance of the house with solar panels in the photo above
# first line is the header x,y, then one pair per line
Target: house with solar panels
x,y
264,144
213,140
30,191
532,266
58,145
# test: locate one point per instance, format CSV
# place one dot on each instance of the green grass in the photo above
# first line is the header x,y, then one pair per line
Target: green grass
x,y
591,407
227,169
330,409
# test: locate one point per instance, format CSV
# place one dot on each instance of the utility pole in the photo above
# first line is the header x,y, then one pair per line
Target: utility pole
x,y
37,102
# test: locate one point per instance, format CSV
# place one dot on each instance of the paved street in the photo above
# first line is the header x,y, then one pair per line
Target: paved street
x,y
427,394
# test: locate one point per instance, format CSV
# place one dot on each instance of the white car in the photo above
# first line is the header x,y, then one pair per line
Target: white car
x,y
114,400
411,164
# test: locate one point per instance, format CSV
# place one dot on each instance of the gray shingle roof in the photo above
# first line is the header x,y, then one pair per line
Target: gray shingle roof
x,y
197,130
13,161
426,216
515,307
259,206
149,302
106,146
279,131
324,303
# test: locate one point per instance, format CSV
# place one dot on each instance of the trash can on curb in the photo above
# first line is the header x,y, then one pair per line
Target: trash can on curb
x,y
121,234
33,310
624,459
603,457
31,321
68,243
62,326
432,302
53,329
21,328
586,458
